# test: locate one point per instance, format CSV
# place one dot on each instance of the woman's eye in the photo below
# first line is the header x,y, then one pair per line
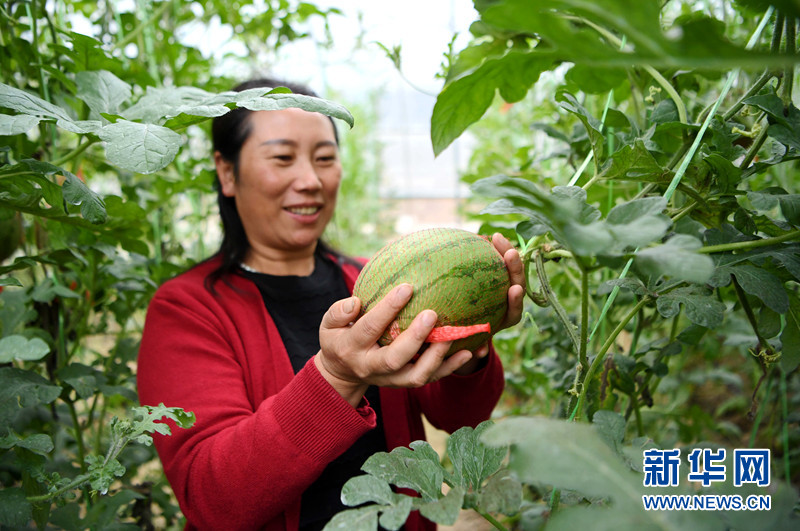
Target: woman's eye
x,y
283,158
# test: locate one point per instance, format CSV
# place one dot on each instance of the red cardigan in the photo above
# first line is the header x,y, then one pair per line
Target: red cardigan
x,y
264,434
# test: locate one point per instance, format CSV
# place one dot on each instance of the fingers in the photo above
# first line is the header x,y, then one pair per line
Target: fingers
x,y
516,271
516,295
371,325
341,314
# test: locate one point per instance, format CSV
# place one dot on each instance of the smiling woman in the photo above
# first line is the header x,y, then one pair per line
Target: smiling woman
x,y
284,187
263,342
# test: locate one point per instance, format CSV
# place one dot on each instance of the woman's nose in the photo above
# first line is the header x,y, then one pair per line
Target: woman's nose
x,y
306,177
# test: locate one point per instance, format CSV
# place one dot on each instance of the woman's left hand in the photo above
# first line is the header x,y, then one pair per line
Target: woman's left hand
x,y
516,294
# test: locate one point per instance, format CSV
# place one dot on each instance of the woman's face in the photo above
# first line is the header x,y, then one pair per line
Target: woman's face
x,y
289,173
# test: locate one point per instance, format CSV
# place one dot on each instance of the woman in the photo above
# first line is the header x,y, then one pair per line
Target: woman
x,y
263,343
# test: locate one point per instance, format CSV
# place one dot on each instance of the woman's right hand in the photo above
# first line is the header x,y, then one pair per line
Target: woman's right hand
x,y
350,358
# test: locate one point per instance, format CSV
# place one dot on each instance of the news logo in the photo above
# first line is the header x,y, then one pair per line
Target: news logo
x,y
662,469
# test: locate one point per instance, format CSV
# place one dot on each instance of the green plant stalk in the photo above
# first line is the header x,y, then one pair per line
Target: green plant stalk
x,y
74,153
752,244
492,520
74,484
584,330
788,73
755,146
555,499
787,470
552,299
78,434
748,311
763,79
760,414
586,377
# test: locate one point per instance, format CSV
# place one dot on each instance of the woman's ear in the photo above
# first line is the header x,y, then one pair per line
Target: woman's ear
x,y
226,175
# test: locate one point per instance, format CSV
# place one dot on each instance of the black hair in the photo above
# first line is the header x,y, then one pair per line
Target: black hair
x,y
229,133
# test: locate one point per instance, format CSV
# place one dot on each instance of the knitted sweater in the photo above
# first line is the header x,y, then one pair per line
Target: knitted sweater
x,y
263,434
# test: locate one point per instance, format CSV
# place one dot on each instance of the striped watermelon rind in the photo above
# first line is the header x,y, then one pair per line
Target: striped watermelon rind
x,y
456,273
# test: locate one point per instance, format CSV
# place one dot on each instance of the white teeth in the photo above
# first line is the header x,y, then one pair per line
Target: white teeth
x,y
304,211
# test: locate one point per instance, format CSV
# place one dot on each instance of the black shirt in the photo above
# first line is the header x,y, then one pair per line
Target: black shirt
x,y
297,305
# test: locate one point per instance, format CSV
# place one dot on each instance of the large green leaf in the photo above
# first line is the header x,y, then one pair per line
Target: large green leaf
x,y
691,43
756,281
21,348
463,101
790,337
16,125
20,389
15,509
418,469
142,148
473,462
102,91
701,307
39,443
677,259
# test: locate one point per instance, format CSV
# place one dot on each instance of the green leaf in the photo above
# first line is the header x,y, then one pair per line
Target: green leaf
x,y
27,103
473,461
411,469
677,259
565,455
93,209
445,510
757,282
276,101
395,516
788,131
590,123
701,308
790,337
103,472
16,125
501,494
15,509
142,148
22,349
102,91
611,427
361,519
38,443
366,488
463,101
20,389
634,162
639,222
85,380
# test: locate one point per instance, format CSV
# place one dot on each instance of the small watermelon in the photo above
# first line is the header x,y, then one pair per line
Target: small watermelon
x,y
456,273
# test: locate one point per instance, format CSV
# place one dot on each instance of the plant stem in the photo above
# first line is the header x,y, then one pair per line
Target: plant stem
x,y
785,429
748,311
72,154
752,91
78,434
555,499
751,244
757,143
75,483
587,376
553,301
788,73
584,330
760,414
491,519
